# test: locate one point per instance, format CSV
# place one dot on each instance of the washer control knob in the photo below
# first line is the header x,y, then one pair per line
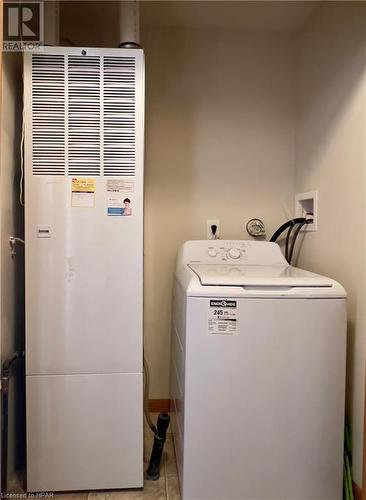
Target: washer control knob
x,y
212,252
234,253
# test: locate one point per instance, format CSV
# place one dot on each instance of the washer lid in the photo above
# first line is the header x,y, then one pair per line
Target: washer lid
x,y
263,276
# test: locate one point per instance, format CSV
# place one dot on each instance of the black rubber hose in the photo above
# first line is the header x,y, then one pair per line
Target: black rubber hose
x,y
8,362
289,223
163,424
288,236
296,234
153,470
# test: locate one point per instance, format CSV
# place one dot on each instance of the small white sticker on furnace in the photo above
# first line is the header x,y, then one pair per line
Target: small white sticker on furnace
x,y
118,185
222,317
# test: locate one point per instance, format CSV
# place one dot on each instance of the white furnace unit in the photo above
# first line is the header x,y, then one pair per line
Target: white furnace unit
x,y
84,129
258,375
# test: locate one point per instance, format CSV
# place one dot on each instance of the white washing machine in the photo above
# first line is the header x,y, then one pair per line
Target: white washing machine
x,y
258,375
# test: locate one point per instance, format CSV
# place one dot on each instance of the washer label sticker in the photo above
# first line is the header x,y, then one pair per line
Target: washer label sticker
x,y
222,317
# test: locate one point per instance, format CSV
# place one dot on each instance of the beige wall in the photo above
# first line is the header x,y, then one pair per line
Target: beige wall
x,y
331,158
219,144
12,285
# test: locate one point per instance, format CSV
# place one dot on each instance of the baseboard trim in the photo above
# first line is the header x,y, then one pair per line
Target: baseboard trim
x,y
357,492
159,405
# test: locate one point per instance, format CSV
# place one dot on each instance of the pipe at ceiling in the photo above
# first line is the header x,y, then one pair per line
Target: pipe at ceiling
x,y
129,24
51,24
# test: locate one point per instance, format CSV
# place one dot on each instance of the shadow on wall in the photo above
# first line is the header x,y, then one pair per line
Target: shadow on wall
x,y
12,277
19,309
169,197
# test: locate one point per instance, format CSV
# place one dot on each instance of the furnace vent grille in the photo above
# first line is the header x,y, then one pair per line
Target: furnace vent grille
x,y
83,115
119,116
83,128
48,114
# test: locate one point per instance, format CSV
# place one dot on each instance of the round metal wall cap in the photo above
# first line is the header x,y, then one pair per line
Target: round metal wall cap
x,y
256,228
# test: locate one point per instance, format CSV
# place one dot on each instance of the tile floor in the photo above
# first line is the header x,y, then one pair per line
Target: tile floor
x,y
165,488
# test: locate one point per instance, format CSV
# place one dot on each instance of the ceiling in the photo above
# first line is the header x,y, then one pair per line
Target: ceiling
x,y
259,15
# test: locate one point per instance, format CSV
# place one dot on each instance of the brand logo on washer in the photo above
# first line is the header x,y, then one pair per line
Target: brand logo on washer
x,y
223,303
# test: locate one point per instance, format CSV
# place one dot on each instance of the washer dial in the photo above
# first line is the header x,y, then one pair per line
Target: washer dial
x,y
234,253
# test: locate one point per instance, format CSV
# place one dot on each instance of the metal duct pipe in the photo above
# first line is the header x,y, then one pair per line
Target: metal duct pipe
x,y
129,24
51,14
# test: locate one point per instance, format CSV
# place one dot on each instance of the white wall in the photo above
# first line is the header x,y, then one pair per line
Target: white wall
x,y
331,158
12,285
219,144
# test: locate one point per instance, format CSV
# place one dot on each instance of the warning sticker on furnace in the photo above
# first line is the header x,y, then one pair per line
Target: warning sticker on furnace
x,y
82,192
222,317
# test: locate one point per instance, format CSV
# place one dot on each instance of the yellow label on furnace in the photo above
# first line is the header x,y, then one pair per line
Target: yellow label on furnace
x,y
82,192
83,185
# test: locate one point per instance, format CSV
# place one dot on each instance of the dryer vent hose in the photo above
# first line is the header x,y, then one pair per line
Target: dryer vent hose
x,y
153,471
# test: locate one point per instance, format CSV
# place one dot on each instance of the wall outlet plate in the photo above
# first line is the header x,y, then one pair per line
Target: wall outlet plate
x,y
213,222
307,203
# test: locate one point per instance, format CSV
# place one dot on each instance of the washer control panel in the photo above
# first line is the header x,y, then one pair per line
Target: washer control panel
x,y
226,252
238,252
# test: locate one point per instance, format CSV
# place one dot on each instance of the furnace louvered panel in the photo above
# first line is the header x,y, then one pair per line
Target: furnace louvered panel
x,y
119,116
84,123
83,115
48,114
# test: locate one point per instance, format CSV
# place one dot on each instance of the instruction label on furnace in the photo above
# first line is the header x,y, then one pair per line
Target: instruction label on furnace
x,y
82,192
222,317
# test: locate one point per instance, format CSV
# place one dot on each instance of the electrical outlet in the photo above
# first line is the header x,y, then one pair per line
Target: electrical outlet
x,y
210,235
